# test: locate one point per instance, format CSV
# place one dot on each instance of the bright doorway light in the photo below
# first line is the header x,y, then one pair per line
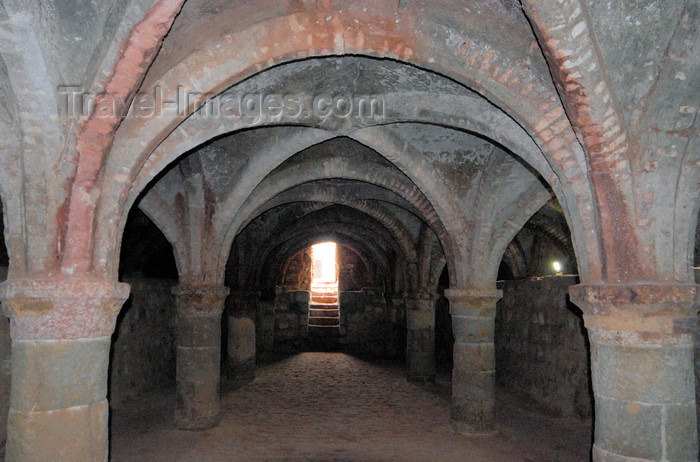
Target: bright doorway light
x,y
324,262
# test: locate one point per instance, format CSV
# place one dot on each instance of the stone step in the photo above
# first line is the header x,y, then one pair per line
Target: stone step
x,y
324,313
324,299
324,321
324,290
323,306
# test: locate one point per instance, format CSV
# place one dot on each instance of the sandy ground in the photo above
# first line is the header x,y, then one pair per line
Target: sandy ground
x,y
335,407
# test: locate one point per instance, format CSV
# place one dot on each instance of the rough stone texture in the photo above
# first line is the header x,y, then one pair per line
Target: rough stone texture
x,y
591,102
367,326
473,313
59,390
5,375
336,407
241,312
420,338
198,337
291,318
541,346
642,346
143,345
265,327
5,371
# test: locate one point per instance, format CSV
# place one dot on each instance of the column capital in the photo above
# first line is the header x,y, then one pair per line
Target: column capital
x,y
473,302
638,314
245,294
201,291
50,309
420,302
200,300
473,297
421,295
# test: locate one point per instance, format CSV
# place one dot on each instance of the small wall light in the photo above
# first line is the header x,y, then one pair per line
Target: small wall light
x,y
557,267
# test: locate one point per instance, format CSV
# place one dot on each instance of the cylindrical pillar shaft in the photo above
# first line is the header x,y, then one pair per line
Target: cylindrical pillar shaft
x,y
241,335
61,334
396,326
642,370
420,338
474,372
198,337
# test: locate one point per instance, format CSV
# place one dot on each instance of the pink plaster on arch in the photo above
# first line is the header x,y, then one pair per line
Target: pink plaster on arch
x,y
227,59
95,137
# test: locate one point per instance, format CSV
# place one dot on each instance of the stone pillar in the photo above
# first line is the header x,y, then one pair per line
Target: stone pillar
x,y
474,373
61,333
420,338
198,338
396,325
241,334
641,339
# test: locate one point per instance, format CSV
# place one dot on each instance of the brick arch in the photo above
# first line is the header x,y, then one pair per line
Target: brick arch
x,y
502,129
514,257
344,242
367,255
370,208
234,220
686,223
283,246
32,120
525,95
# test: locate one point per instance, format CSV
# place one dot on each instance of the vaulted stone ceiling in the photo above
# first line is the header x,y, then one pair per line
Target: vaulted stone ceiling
x,y
484,191
491,109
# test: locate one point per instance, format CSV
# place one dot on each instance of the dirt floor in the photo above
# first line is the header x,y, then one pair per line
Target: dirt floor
x,y
335,407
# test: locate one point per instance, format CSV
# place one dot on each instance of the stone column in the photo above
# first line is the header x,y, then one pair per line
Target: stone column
x,y
420,337
198,337
241,334
641,339
61,333
396,325
474,373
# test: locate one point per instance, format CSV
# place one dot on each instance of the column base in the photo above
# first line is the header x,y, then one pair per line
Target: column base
x,y
183,422
241,372
421,366
420,378
473,417
198,406
642,347
51,434
601,455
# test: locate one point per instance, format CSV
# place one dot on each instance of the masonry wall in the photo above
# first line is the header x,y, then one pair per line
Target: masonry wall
x,y
143,347
366,326
291,317
143,354
5,368
697,358
541,347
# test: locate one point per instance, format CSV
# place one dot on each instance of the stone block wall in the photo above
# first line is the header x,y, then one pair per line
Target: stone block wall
x,y
265,326
365,325
697,358
143,354
291,317
143,346
5,365
541,346
5,369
